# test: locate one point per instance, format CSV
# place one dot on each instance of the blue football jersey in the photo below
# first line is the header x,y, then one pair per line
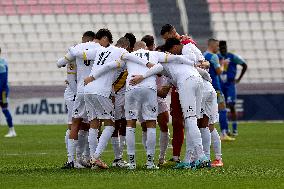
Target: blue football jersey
x,y
3,75
214,64
230,71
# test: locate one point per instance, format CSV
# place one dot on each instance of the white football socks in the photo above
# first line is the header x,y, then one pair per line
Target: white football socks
x,y
122,140
81,144
193,135
66,138
144,139
93,140
86,145
116,147
189,153
130,142
103,141
206,141
151,143
72,144
164,141
216,142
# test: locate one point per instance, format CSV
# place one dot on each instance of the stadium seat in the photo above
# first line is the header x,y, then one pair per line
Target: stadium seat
x,y
37,32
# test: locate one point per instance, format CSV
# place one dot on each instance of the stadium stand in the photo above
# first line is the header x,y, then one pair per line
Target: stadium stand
x,y
162,13
254,29
34,33
199,28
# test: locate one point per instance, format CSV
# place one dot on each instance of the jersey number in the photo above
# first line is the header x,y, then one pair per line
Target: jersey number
x,y
102,57
143,54
87,62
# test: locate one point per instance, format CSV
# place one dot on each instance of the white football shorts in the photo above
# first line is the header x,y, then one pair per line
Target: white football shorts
x,y
141,102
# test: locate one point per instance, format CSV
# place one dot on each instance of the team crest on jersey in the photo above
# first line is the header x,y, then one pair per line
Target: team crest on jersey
x,y
190,109
76,111
71,66
131,113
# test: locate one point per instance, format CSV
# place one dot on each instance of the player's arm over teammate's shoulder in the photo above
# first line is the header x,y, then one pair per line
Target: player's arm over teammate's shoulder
x,y
116,64
133,58
156,69
68,58
179,59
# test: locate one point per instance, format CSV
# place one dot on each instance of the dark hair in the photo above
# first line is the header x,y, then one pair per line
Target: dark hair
x,y
222,43
166,28
90,34
123,41
104,33
161,48
212,40
170,43
149,40
132,39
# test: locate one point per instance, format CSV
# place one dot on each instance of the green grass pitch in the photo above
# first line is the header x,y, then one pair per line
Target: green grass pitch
x,y
33,160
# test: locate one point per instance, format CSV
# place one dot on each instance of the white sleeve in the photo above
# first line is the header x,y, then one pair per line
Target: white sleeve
x,y
106,68
65,60
134,58
197,53
180,59
205,75
186,59
156,69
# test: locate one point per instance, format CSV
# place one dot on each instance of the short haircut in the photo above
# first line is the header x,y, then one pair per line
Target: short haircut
x,y
140,45
149,40
132,39
123,41
90,34
170,43
222,43
212,40
166,28
160,48
104,33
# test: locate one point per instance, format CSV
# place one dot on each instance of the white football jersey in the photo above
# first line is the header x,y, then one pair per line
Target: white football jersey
x,y
136,69
191,48
71,88
103,84
83,66
180,72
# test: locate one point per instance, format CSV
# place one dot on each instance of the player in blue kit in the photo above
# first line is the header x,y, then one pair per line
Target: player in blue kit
x,y
4,91
215,71
228,79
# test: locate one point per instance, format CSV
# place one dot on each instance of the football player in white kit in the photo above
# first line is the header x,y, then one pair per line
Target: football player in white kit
x,y
163,109
79,110
69,96
189,83
98,90
209,110
141,101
